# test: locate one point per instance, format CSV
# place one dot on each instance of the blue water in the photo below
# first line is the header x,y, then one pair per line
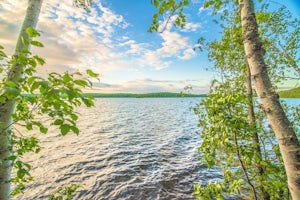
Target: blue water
x,y
128,148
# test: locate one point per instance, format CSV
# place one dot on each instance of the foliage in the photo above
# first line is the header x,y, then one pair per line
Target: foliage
x,y
291,93
225,126
85,4
212,189
64,193
223,115
293,115
280,34
56,97
170,8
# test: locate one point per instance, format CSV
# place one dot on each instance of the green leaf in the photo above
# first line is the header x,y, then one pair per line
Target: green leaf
x,y
29,126
2,54
67,78
74,117
44,84
81,82
44,87
75,130
43,130
25,51
20,173
37,150
31,79
78,73
88,102
34,86
161,11
36,43
24,41
91,73
12,92
40,60
64,129
32,32
58,122
12,157
11,84
32,62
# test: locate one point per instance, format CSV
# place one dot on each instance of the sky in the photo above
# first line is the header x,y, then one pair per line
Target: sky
x,y
113,41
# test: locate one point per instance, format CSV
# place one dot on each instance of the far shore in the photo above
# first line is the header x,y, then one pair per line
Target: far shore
x,y
148,95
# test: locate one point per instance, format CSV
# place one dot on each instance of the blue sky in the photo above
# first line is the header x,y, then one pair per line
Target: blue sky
x,y
113,40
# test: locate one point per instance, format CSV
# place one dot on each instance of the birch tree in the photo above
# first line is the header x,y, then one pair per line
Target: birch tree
x,y
55,96
8,105
257,155
284,132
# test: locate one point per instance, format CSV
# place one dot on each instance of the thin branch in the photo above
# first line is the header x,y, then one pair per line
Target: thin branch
x,y
287,56
167,22
242,163
18,131
243,167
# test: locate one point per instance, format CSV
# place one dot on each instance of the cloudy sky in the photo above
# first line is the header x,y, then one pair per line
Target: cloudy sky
x,y
113,40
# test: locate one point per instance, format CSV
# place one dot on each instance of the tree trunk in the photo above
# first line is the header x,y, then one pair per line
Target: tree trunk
x,y
7,108
284,132
255,139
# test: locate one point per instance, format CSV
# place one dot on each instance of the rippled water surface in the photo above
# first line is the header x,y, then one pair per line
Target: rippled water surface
x,y
128,149
143,148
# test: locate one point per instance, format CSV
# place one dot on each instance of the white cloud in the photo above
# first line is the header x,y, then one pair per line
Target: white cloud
x,y
191,27
207,11
70,35
188,54
201,9
173,45
75,39
10,22
85,38
131,47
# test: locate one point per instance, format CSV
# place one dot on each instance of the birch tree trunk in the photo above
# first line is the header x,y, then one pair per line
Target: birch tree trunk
x,y
7,108
284,132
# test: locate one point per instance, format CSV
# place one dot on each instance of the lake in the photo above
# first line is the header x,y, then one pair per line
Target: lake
x,y
128,148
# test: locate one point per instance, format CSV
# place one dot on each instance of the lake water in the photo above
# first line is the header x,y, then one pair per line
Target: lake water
x,y
143,148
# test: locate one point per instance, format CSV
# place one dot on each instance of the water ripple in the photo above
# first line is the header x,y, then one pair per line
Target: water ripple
x,y
127,149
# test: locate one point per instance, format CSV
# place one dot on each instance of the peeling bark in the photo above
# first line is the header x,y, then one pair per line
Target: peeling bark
x,y
7,108
284,132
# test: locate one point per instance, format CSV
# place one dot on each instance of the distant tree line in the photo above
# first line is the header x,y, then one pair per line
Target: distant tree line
x,y
148,95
